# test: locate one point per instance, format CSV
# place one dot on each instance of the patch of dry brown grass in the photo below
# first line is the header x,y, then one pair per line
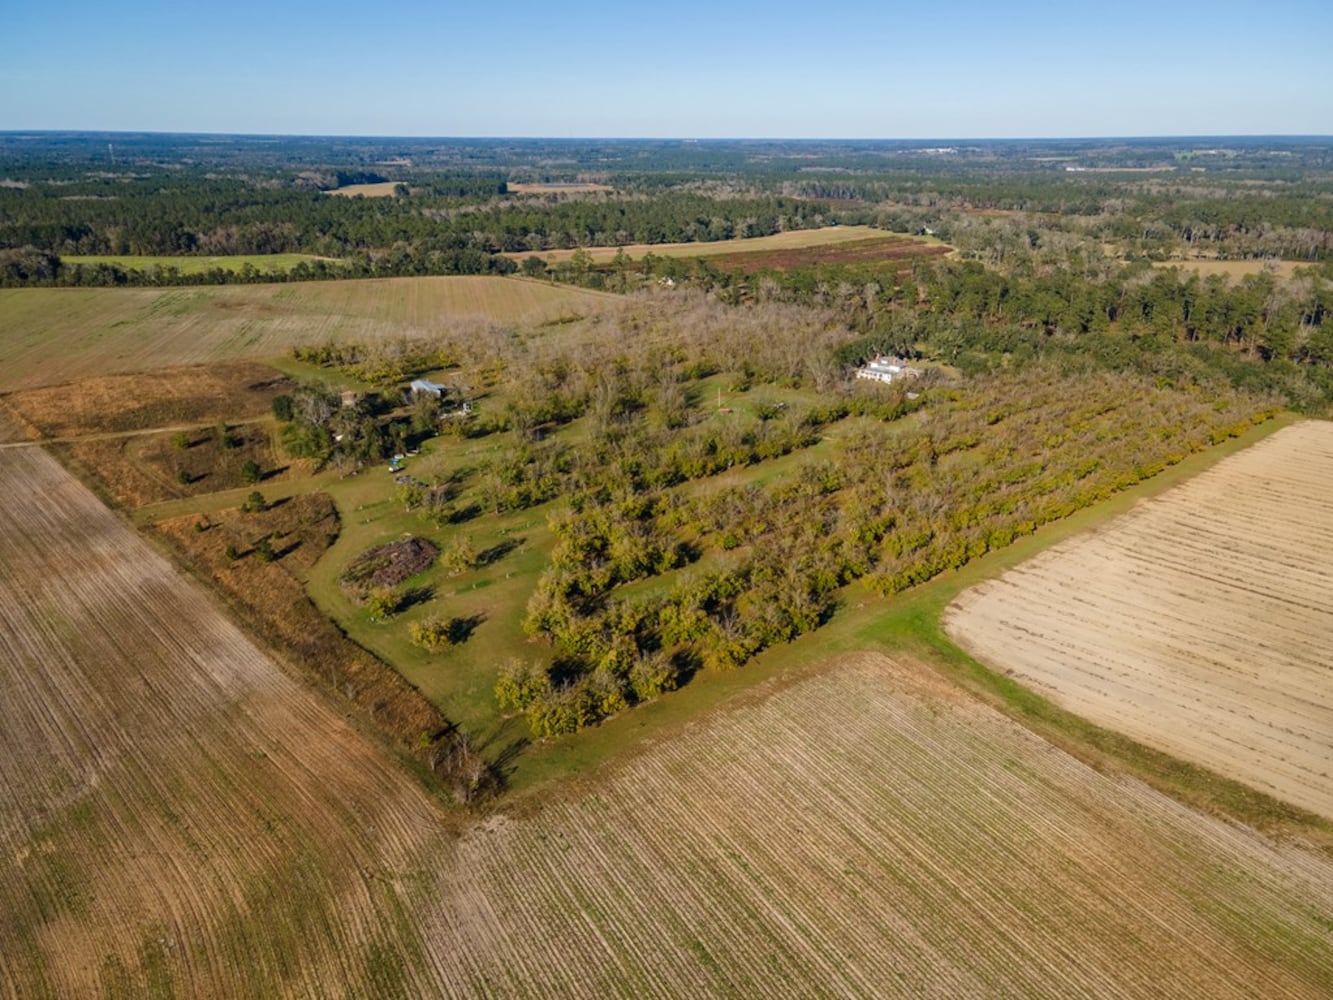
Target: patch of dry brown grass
x,y
169,397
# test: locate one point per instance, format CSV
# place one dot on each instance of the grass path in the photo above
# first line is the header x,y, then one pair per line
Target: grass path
x,y
143,432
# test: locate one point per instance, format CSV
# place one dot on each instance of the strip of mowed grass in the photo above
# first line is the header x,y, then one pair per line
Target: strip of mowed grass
x,y
273,263
379,189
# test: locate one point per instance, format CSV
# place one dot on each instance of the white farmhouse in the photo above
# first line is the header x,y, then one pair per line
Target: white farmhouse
x,y
887,369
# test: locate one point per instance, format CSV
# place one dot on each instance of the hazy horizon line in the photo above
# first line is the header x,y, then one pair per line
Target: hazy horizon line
x,y
21,132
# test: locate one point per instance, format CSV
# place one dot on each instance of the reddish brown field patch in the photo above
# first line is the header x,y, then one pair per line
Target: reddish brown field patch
x,y
888,248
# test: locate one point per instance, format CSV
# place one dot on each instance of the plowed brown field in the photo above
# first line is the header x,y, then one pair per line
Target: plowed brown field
x,y
179,818
904,249
1200,623
868,832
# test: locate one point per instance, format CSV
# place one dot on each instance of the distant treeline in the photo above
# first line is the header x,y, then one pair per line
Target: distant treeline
x,y
85,194
28,266
169,214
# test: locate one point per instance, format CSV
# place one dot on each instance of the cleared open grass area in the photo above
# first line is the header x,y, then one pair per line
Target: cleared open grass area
x,y
380,189
54,335
1199,623
791,240
266,263
151,400
1235,269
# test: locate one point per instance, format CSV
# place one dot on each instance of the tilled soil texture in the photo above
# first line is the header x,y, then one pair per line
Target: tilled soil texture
x,y
177,816
1200,623
869,832
889,248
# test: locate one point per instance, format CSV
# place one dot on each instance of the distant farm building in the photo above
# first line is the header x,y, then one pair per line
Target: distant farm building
x,y
350,398
425,387
887,369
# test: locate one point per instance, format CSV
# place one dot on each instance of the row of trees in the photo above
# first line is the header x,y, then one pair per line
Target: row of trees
x,y
30,266
757,565
657,572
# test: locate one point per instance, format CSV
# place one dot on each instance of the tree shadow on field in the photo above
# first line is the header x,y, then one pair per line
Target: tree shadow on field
x,y
287,549
413,596
687,664
502,752
461,629
463,514
497,552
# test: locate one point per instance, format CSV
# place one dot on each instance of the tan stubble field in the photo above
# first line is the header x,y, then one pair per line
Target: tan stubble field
x,y
1200,623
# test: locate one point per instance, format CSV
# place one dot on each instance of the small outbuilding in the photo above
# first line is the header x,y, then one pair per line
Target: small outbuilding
x,y
425,387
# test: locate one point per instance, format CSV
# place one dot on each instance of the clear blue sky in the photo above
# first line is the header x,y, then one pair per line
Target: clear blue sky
x,y
842,68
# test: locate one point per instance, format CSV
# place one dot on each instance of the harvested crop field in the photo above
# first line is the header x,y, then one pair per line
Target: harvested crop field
x,y
1200,623
185,820
884,248
59,334
177,816
871,832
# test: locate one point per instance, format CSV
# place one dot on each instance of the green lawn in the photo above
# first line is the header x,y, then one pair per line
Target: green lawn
x,y
461,680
